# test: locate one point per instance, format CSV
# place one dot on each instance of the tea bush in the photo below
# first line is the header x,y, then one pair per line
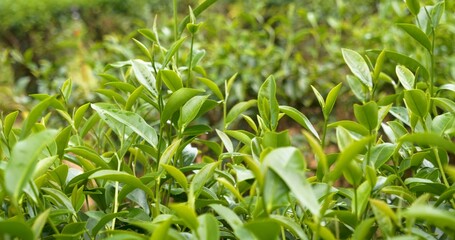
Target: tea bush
x,y
144,162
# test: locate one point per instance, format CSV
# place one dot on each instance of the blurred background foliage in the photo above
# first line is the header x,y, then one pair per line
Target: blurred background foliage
x,y
42,43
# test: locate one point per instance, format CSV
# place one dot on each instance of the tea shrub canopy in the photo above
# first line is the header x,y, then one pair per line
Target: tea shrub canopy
x,y
179,137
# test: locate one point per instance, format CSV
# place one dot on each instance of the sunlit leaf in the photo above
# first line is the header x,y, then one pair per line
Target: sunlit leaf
x,y
358,66
24,156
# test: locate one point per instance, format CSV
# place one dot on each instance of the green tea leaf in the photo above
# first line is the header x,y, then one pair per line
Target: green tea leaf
x,y
39,222
117,97
300,118
33,116
190,110
144,76
198,10
274,192
358,66
172,50
348,154
177,175
268,104
381,153
417,102
143,48
237,110
319,97
290,224
367,115
417,34
88,154
202,177
402,59
24,156
121,177
264,228
405,76
187,214
8,123
445,104
171,79
431,139
290,165
351,126
226,141
106,219
176,101
130,119
133,98
439,217
208,227
13,228
357,87
364,229
161,232
330,101
212,86
413,6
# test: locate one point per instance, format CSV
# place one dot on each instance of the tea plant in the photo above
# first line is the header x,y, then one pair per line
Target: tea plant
x,y
143,163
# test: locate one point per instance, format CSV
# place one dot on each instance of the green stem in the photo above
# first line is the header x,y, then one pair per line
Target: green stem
x,y
176,33
324,132
190,67
438,160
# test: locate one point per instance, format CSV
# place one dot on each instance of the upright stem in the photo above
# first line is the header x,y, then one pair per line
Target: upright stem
x,y
324,132
176,25
190,65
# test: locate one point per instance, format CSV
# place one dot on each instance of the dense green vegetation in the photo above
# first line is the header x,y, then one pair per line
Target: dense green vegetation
x,y
229,120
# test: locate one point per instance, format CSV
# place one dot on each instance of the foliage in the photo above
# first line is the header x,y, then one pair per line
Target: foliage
x,y
144,161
